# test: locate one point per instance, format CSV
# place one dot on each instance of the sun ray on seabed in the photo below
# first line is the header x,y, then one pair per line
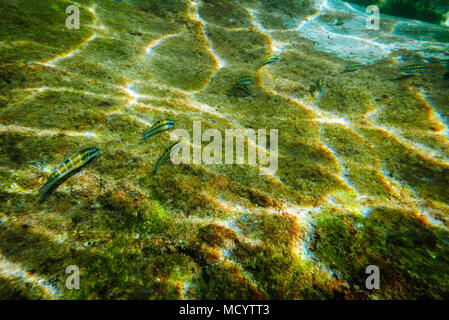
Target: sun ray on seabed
x,y
344,133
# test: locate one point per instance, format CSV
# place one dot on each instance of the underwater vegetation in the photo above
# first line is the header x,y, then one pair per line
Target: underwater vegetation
x,y
363,155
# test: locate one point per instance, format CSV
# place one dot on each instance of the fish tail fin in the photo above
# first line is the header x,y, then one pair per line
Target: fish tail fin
x,y
43,190
145,136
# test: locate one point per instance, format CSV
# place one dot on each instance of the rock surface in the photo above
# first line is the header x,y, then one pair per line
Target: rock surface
x,y
363,166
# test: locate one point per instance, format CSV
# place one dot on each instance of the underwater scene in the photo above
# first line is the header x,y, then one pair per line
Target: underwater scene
x,y
224,149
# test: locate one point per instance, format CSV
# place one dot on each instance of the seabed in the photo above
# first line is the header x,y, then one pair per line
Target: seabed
x,y
363,170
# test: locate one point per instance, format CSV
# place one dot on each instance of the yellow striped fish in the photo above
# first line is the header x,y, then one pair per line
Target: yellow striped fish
x,y
67,166
167,153
244,81
411,69
158,127
319,84
270,59
242,88
353,67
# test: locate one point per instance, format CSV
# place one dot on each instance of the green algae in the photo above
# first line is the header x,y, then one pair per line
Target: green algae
x,y
53,39
241,48
217,282
225,14
17,291
283,15
405,165
414,254
187,50
67,106
222,231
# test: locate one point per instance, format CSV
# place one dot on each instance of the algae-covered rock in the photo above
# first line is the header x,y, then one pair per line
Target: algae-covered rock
x,y
357,163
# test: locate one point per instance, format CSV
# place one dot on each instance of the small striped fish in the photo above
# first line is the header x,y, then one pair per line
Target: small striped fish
x,y
353,67
158,127
269,59
242,88
411,69
69,165
437,61
319,84
167,153
244,81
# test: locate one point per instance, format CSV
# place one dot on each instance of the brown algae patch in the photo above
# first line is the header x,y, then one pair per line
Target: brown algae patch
x,y
361,179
